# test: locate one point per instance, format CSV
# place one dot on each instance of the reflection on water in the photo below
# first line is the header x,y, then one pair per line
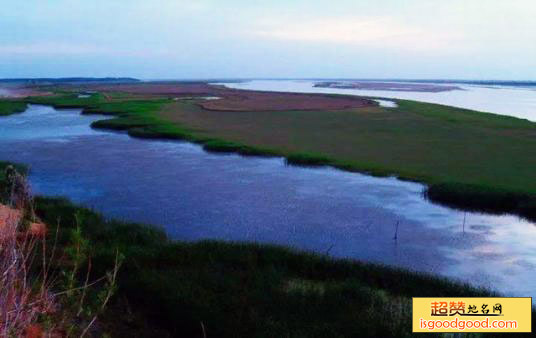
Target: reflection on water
x,y
512,101
197,195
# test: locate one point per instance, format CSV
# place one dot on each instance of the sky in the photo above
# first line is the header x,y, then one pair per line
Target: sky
x,y
210,39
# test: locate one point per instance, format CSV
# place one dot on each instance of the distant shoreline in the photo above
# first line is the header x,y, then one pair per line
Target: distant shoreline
x,y
388,86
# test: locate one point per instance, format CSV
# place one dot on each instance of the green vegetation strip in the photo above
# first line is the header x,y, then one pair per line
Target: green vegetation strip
x,y
168,288
470,160
8,107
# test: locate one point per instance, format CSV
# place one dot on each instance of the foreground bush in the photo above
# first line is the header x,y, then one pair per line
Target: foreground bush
x,y
22,300
42,290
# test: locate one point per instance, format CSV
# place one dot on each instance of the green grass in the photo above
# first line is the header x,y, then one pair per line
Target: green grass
x,y
463,116
308,159
245,290
129,113
483,198
8,107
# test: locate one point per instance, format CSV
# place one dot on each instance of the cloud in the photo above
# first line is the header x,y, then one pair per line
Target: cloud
x,y
75,49
379,32
51,49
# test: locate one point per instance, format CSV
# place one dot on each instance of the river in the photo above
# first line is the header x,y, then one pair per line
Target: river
x,y
196,195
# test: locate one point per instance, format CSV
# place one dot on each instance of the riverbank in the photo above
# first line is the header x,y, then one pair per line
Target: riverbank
x,y
470,160
8,107
168,288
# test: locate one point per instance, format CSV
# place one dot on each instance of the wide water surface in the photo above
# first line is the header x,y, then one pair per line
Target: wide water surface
x,y
512,101
196,195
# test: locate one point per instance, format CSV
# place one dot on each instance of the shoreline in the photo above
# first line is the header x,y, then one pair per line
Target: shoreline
x,y
387,86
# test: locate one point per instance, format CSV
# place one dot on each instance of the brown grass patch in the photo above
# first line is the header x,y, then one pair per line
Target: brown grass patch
x,y
241,100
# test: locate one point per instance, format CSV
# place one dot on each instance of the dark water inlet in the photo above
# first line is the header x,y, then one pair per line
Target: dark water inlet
x,y
198,195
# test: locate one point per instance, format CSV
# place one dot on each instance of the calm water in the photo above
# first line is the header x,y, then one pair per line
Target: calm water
x,y
512,101
197,195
